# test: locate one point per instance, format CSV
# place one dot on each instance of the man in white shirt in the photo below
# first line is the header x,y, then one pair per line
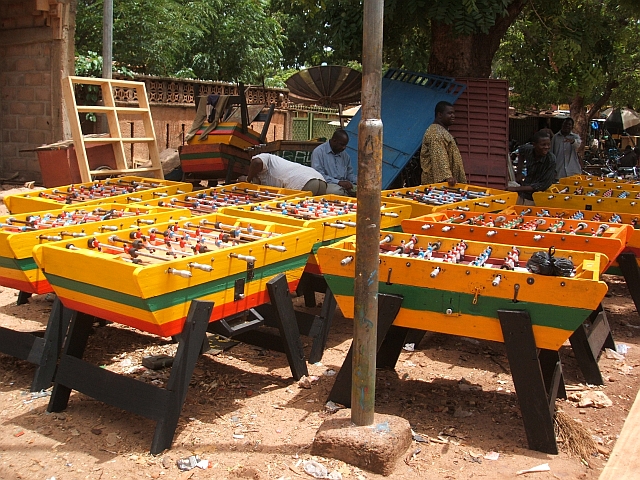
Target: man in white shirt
x,y
276,171
565,145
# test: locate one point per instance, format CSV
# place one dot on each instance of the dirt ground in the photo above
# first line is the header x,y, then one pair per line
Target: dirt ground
x,y
249,419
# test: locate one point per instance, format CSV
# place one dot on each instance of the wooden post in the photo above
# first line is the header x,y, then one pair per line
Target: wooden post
x,y
368,219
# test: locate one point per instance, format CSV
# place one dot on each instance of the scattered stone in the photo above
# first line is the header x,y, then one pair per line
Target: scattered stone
x,y
592,398
613,355
112,439
317,470
461,413
308,382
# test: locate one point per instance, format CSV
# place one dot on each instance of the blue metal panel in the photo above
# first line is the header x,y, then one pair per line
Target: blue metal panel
x,y
408,103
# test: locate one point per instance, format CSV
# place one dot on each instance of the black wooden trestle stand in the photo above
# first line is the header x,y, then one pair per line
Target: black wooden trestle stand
x,y
536,373
588,342
631,274
40,350
537,376
291,324
160,404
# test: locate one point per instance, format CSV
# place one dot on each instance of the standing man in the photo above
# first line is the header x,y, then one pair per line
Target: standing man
x,y
564,146
331,160
536,169
276,171
439,156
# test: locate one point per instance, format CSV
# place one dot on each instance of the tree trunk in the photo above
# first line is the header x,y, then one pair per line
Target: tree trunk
x,y
468,55
580,121
582,117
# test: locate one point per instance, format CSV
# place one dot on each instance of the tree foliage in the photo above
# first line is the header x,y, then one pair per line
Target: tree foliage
x,y
557,52
208,39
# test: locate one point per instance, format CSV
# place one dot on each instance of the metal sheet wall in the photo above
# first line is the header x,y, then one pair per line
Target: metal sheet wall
x,y
482,130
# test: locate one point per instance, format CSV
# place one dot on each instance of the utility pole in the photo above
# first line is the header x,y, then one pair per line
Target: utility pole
x,y
107,39
365,321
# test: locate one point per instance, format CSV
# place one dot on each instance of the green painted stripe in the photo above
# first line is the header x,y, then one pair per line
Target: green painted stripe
x,y
177,297
18,264
432,300
614,270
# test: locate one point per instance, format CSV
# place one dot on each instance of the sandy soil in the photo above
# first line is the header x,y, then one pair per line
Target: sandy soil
x,y
249,419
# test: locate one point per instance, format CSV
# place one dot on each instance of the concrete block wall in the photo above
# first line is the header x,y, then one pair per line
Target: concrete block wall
x,y
36,51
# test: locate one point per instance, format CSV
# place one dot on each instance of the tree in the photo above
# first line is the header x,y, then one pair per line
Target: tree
x,y
243,43
149,36
209,39
575,51
444,37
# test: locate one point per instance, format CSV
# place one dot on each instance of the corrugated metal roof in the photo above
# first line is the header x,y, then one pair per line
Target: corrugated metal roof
x,y
408,104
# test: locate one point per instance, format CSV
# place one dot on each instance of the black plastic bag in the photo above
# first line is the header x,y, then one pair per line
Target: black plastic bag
x,y
541,263
544,263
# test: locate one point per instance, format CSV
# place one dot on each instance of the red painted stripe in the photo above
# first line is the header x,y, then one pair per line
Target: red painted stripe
x,y
173,327
39,287
313,268
634,250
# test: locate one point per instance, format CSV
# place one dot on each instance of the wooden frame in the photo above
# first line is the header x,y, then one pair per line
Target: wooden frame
x,y
115,137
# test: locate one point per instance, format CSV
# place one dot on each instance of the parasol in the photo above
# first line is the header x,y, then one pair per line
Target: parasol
x,y
327,86
619,119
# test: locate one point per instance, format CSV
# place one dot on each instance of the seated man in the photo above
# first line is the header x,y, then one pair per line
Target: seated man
x,y
276,171
630,158
536,169
334,164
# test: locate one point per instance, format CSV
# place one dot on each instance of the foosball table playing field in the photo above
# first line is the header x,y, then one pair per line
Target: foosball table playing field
x,y
20,233
123,190
211,200
566,234
427,199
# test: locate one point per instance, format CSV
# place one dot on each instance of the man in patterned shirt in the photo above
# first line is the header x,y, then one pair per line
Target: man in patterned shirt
x,y
439,157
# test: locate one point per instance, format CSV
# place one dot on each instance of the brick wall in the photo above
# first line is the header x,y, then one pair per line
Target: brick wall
x,y
35,52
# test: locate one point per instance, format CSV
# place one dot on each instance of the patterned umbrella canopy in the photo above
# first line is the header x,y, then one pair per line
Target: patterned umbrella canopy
x,y
326,86
620,119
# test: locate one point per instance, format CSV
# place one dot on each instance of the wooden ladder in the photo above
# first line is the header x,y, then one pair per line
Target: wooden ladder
x,y
115,137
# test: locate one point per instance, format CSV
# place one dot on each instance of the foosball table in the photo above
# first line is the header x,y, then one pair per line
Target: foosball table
x,y
123,190
332,217
476,289
150,274
600,182
540,232
211,200
603,190
587,202
20,233
432,198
